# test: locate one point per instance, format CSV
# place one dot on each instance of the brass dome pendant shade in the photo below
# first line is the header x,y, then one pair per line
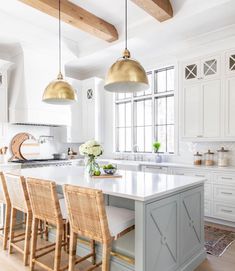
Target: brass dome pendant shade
x,y
59,91
126,74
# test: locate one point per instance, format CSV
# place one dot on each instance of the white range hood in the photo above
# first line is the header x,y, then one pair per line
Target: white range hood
x,y
28,78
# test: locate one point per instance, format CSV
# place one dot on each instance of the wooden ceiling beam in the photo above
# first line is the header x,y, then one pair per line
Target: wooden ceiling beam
x,y
77,17
159,9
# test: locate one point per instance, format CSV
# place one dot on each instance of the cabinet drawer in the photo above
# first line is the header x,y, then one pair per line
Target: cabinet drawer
x,y
208,191
227,179
224,211
223,193
207,208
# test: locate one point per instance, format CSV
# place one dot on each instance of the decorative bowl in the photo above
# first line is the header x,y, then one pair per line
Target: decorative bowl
x,y
110,171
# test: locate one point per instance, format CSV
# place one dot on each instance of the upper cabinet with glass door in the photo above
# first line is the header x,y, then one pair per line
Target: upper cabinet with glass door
x,y
201,69
230,62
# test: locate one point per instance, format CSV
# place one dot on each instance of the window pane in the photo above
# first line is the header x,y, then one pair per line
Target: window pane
x,y
128,114
121,115
170,138
148,112
161,111
128,139
121,96
121,139
149,90
128,95
139,93
170,110
140,113
148,139
161,137
161,81
170,80
140,138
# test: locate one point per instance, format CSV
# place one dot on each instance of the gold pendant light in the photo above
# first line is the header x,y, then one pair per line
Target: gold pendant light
x,y
59,91
126,74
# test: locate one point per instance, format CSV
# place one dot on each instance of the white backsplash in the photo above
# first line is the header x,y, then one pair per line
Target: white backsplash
x,y
52,145
187,150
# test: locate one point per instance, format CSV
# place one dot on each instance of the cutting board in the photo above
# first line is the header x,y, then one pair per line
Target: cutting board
x,y
107,176
16,143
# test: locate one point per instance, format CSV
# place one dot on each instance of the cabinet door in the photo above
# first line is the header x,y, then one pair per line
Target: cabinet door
x,y
230,62
192,113
162,235
191,71
230,107
211,92
191,227
210,67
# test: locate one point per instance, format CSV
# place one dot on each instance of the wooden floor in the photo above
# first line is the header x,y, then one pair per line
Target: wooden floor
x,y
224,263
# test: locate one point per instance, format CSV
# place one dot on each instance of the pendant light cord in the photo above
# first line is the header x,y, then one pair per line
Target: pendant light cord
x,y
59,38
126,24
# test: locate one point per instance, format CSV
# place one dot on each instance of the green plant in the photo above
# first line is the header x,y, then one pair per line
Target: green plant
x,y
156,146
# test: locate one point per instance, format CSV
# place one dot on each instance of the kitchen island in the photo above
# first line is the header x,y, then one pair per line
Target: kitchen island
x,y
169,213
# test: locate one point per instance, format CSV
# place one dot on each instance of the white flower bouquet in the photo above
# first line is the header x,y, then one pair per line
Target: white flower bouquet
x,y
91,148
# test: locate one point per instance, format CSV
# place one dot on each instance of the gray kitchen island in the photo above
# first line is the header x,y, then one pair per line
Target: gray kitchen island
x,y
169,214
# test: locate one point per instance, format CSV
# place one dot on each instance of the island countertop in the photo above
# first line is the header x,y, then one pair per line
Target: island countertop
x,y
139,186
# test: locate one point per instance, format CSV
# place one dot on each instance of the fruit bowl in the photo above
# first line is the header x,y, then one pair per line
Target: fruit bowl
x,y
110,171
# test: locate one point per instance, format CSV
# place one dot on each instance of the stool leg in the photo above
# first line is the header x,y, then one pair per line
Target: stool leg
x,y
27,238
33,243
93,251
12,225
41,228
6,226
59,236
46,231
106,257
72,250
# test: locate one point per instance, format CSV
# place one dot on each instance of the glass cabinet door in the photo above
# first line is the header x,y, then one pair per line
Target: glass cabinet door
x,y
230,62
191,72
210,67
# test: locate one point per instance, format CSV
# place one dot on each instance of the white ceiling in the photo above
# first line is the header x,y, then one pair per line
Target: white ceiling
x,y
148,39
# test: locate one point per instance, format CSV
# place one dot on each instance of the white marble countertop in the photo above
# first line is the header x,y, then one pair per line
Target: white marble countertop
x,y
166,164
138,186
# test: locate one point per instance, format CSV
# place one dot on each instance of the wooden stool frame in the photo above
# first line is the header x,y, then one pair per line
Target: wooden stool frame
x,y
45,206
87,216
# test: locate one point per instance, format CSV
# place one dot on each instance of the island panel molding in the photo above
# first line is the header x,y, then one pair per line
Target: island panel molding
x,y
159,9
77,17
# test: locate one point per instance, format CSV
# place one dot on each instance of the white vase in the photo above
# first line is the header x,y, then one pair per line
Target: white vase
x,y
158,158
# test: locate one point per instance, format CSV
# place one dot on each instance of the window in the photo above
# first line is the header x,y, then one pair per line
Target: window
x,y
146,116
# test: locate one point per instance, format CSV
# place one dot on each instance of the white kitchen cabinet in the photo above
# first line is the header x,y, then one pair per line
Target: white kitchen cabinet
x,y
211,109
192,113
201,69
230,107
87,113
202,110
191,217
3,96
154,169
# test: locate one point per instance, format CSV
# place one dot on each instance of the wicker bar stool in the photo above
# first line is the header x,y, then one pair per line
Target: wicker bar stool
x,y
90,218
47,207
19,198
4,199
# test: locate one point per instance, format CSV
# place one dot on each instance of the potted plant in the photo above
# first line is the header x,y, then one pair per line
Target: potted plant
x,y
91,150
156,147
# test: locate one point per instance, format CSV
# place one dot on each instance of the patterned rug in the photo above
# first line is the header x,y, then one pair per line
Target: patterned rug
x,y
217,240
